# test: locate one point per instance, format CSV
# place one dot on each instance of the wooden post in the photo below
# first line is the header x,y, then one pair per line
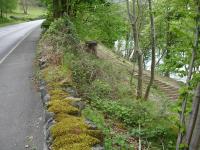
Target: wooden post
x,y
91,47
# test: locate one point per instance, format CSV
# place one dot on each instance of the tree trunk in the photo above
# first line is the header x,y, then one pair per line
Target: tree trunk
x,y
168,41
24,4
190,131
189,76
195,141
1,13
196,101
134,21
56,9
153,47
138,51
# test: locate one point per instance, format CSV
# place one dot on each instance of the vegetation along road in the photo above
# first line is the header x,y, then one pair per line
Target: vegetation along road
x,y
112,75
21,120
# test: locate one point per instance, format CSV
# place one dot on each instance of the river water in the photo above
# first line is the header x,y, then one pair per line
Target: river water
x,y
120,47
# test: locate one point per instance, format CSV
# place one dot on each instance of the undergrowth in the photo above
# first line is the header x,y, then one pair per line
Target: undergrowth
x,y
112,105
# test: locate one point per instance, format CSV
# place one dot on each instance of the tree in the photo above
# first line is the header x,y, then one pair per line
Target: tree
x,y
153,48
193,131
189,77
24,5
7,6
134,21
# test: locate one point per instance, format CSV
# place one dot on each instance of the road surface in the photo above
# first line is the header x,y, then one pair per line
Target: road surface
x,y
21,112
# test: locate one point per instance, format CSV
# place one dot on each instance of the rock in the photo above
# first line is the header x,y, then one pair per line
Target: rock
x,y
47,133
45,147
43,93
90,124
98,147
48,116
72,91
42,83
42,63
49,139
80,105
42,87
50,123
73,98
46,98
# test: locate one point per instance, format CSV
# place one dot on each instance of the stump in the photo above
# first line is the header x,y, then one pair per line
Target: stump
x,y
91,47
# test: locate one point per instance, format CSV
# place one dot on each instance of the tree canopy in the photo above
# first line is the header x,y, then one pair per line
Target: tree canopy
x,y
7,5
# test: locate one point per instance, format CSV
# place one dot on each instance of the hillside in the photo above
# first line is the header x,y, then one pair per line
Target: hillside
x,y
103,85
125,106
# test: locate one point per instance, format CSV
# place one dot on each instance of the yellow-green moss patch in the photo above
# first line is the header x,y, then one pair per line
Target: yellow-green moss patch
x,y
72,133
74,142
58,93
61,107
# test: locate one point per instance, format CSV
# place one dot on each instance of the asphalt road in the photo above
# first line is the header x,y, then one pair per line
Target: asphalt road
x,y
21,112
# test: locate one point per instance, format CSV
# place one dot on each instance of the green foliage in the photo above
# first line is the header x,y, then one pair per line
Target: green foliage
x,y
184,91
7,6
94,20
104,23
111,141
158,134
84,70
195,80
174,28
62,35
103,85
62,25
181,24
15,15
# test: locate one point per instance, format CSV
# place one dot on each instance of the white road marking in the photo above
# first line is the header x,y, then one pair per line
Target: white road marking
x,y
18,43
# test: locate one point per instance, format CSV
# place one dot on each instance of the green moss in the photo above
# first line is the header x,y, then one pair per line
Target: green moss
x,y
61,107
71,133
71,139
58,94
74,141
59,117
96,133
57,74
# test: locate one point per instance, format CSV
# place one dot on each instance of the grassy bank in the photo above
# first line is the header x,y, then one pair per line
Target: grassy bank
x,y
105,87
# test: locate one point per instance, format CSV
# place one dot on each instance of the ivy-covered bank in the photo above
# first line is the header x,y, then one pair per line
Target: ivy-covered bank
x,y
93,102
